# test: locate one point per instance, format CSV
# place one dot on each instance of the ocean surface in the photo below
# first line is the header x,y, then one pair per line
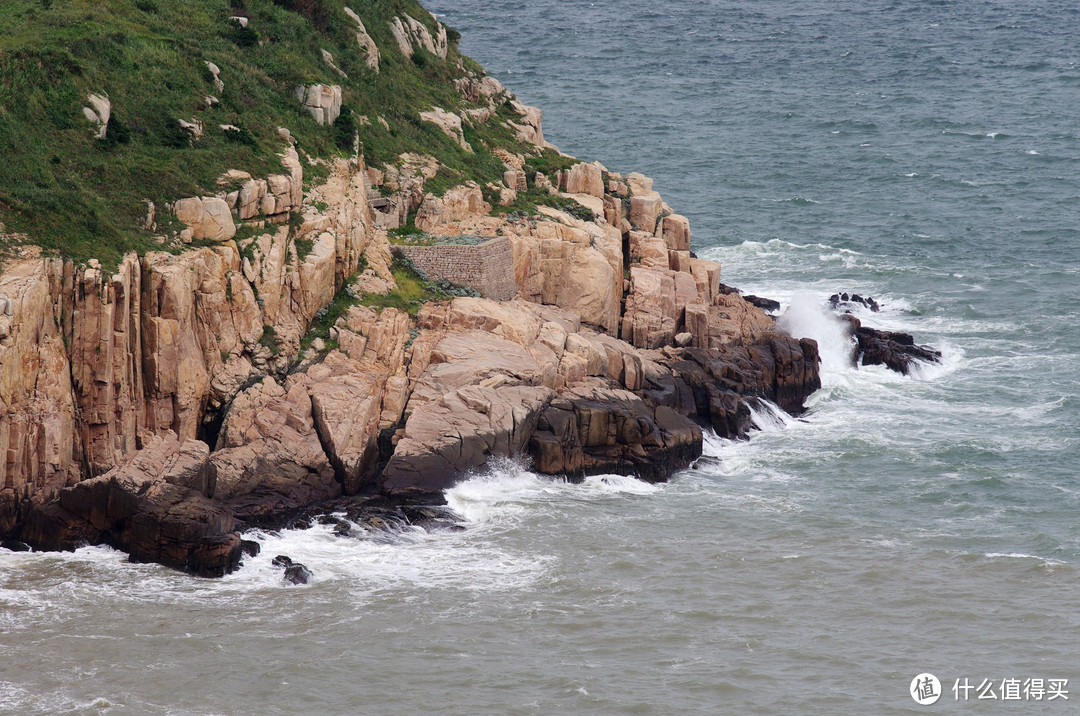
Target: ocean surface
x,y
923,152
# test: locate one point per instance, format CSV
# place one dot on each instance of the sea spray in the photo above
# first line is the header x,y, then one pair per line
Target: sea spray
x,y
807,317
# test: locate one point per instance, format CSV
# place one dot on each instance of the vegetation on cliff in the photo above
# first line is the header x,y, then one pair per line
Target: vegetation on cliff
x,y
83,196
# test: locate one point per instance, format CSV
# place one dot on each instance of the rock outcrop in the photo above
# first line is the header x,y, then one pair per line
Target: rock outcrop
x,y
894,350
323,102
164,406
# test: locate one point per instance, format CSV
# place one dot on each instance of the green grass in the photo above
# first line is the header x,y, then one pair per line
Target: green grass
x,y
82,198
527,202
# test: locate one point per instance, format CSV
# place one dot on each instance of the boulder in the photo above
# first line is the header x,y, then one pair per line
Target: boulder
x,y
586,179
322,101
449,123
209,217
98,113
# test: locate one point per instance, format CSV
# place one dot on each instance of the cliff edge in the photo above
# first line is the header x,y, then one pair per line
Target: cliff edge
x,y
371,296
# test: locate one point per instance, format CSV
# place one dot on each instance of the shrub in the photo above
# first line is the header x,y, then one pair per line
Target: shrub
x,y
242,36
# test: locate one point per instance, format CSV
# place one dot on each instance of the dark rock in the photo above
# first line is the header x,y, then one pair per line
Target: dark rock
x,y
297,573
281,561
896,351
720,383
15,545
594,429
250,547
765,304
839,299
154,507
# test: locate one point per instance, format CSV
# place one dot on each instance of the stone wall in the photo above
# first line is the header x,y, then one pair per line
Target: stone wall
x,y
488,268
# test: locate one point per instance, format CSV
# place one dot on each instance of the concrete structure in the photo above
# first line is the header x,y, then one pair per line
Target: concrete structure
x,y
487,267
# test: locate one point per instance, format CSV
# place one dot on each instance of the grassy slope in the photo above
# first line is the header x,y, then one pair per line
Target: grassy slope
x,y
84,198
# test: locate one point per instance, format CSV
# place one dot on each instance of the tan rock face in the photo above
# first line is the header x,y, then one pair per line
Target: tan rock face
x,y
645,210
458,203
322,101
208,217
462,430
155,507
268,457
92,366
39,449
676,232
586,179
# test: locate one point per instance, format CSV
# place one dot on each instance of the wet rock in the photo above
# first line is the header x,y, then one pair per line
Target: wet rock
x,y
838,301
432,517
154,507
250,547
298,574
596,429
282,561
14,545
896,351
765,304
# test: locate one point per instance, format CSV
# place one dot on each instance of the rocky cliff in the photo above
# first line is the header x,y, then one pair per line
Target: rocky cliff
x,y
163,406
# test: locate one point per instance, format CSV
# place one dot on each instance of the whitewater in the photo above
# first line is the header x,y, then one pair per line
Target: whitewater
x,y
922,153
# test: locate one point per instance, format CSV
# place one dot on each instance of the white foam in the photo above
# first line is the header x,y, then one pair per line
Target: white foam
x,y
505,489
807,317
1020,555
768,416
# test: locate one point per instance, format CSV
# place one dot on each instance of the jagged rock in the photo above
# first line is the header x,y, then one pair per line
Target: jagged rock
x,y
645,211
250,548
14,545
530,129
410,33
449,123
208,217
297,573
676,230
894,350
329,60
586,179
594,429
837,300
193,128
765,304
215,71
323,102
460,431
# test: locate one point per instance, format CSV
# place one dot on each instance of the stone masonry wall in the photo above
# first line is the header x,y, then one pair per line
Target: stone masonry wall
x,y
488,267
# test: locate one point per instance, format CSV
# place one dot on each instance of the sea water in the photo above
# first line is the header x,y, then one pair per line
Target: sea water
x,y
922,152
